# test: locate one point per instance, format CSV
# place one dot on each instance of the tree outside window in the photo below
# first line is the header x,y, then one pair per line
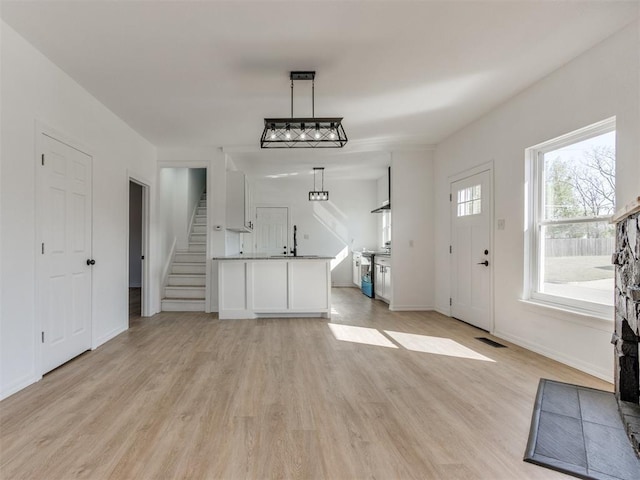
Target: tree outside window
x,y
572,237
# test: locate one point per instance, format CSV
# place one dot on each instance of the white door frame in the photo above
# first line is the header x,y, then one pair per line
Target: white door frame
x,y
145,307
207,165
43,129
483,167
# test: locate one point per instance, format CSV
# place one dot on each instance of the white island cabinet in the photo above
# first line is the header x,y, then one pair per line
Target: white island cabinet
x,y
263,286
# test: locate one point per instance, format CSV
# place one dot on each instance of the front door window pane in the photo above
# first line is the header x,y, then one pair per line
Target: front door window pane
x,y
470,201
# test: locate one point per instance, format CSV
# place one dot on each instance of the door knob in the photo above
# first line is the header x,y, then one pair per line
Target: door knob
x,y
91,261
485,263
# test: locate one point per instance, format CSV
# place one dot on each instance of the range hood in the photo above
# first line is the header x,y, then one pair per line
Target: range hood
x,y
386,206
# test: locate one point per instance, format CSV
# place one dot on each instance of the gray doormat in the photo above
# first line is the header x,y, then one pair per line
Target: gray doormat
x,y
578,431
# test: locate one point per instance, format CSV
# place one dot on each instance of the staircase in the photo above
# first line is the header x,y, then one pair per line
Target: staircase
x,y
185,290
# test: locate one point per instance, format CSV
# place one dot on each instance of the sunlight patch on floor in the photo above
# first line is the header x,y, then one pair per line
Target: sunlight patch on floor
x,y
435,345
368,336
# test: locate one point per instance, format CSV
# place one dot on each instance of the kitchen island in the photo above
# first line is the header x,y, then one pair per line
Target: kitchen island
x,y
258,286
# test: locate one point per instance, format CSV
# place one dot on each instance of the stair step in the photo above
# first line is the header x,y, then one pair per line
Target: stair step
x,y
189,257
203,203
188,268
201,211
184,292
198,238
182,305
200,220
198,247
199,228
185,279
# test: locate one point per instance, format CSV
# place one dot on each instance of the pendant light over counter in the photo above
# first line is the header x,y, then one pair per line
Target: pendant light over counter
x,y
321,195
310,132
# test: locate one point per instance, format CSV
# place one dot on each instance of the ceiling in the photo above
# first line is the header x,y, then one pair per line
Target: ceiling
x,y
206,73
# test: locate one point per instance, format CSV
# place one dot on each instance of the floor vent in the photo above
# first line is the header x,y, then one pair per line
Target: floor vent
x,y
488,341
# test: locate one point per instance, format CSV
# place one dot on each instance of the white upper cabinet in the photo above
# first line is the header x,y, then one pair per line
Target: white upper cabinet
x,y
238,203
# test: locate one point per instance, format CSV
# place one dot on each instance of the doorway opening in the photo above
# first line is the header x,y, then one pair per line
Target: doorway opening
x,y
182,228
138,238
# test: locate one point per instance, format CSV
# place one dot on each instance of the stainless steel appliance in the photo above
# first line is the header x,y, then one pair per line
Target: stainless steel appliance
x,y
371,276
366,270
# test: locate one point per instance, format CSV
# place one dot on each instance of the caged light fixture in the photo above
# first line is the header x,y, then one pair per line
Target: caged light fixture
x,y
303,132
318,195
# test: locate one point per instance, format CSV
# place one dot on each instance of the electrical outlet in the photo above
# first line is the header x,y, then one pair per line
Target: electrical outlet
x,y
306,236
501,224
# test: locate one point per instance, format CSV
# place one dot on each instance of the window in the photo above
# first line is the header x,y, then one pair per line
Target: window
x,y
386,227
572,197
470,201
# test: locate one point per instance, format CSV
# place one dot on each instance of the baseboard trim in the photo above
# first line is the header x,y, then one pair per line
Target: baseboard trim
x,y
343,285
545,352
411,308
18,385
112,334
442,311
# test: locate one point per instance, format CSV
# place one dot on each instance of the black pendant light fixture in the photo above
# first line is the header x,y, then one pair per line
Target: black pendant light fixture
x,y
311,132
321,195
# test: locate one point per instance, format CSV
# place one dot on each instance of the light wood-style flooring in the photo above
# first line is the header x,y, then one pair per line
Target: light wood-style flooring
x,y
189,396
135,302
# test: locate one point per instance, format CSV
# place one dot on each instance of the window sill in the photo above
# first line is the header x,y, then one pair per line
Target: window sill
x,y
591,320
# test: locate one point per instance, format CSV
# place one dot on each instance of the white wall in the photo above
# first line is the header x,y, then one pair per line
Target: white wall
x,y
34,89
412,231
601,83
171,183
333,228
196,185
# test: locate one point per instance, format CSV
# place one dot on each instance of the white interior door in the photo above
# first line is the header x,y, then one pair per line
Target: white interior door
x,y
272,230
471,256
64,275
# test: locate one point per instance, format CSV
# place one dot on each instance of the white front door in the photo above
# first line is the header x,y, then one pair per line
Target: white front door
x,y
471,255
272,230
64,276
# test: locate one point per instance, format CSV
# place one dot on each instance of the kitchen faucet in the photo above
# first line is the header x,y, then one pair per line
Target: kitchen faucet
x,y
294,251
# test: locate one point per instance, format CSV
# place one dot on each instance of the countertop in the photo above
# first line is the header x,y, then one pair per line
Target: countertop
x,y
258,256
373,252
